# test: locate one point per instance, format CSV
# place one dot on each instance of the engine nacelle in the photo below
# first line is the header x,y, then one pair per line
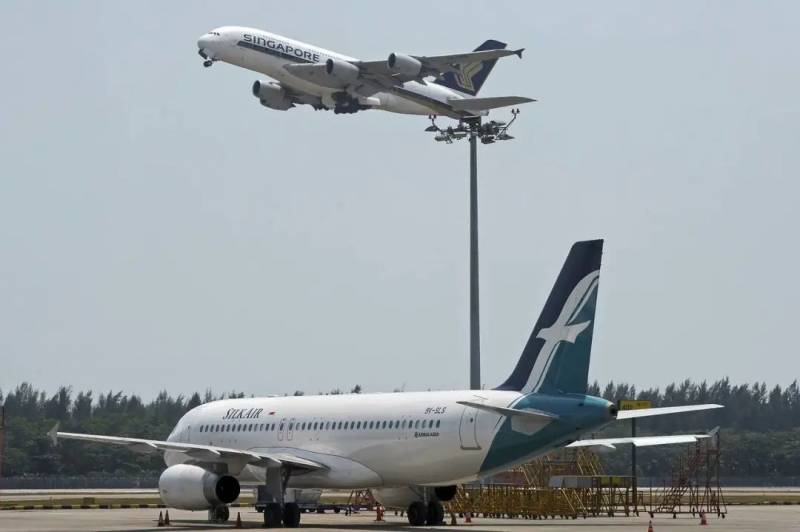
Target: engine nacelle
x,y
404,64
272,95
190,487
341,70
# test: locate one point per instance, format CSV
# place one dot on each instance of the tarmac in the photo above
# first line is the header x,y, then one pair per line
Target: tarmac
x,y
739,519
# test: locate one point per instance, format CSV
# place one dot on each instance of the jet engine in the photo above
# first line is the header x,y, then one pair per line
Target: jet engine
x,y
404,64
190,487
341,70
272,95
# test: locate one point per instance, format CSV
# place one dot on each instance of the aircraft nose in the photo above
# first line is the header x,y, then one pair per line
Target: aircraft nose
x,y
203,44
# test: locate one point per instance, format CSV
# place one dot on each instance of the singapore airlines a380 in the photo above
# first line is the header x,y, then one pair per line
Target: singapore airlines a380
x,y
444,85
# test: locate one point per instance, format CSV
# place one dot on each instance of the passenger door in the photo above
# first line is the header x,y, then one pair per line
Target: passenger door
x,y
467,429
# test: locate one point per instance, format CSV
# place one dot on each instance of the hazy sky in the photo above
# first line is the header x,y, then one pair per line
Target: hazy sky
x,y
160,229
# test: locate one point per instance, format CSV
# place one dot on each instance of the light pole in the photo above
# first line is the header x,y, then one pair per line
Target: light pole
x,y
488,133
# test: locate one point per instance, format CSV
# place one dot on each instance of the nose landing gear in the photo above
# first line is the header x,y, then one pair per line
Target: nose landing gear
x,y
207,63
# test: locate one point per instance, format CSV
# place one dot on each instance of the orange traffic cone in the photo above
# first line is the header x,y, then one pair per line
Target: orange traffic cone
x,y
160,519
703,520
468,517
166,518
650,526
238,520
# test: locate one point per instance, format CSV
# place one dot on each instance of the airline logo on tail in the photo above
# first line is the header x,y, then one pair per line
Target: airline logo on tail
x,y
562,330
465,75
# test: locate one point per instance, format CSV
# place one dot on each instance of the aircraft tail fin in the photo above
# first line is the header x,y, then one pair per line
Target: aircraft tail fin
x,y
556,357
471,77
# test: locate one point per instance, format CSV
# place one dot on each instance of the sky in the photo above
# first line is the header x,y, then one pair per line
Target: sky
x,y
159,229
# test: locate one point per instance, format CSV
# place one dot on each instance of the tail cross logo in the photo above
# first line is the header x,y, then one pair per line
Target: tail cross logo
x,y
562,330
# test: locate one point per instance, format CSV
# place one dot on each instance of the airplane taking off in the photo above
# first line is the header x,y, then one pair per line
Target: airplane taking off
x,y
409,449
444,85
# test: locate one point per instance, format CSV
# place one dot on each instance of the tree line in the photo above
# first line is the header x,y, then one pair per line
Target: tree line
x,y
760,427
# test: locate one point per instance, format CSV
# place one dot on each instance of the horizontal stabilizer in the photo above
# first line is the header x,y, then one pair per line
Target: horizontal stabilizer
x,y
647,412
509,412
484,104
640,441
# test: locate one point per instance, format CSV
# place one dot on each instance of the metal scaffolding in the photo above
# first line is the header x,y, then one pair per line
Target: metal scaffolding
x,y
566,484
694,484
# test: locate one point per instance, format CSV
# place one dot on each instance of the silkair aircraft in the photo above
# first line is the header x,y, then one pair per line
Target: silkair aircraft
x,y
410,449
421,85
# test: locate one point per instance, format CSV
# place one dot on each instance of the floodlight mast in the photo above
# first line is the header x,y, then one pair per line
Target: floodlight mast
x,y
488,133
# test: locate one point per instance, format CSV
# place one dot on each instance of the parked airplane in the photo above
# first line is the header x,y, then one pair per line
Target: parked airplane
x,y
423,85
410,449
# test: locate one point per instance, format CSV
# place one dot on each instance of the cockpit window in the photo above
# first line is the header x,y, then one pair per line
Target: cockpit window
x,y
214,33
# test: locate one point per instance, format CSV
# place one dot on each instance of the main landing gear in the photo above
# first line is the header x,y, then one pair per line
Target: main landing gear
x,y
220,514
420,514
277,511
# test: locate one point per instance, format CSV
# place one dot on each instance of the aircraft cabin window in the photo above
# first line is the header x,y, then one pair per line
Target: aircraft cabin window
x,y
358,425
438,423
291,426
416,424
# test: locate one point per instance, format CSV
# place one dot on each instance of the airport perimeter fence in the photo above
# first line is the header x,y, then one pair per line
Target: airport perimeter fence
x,y
77,482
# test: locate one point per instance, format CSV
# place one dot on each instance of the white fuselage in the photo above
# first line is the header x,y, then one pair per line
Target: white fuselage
x,y
224,44
366,440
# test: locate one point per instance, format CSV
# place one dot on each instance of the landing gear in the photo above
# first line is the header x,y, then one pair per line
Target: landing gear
x,y
220,514
417,513
346,104
272,515
207,63
291,515
435,514
272,495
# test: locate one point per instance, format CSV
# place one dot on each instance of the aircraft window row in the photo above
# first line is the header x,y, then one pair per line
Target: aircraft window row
x,y
327,425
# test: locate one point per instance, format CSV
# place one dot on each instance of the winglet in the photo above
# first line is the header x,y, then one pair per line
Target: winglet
x,y
53,433
519,52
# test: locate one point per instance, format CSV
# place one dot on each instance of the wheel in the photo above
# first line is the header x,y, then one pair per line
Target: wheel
x,y
272,515
291,515
435,514
417,513
208,63
220,514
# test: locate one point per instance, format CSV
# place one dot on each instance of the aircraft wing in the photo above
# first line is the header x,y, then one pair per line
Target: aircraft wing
x,y
235,458
484,104
640,441
433,65
647,412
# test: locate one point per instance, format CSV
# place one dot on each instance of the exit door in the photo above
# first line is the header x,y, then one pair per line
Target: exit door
x,y
467,430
